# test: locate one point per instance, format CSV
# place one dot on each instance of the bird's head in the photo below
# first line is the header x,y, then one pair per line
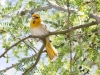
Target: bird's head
x,y
36,18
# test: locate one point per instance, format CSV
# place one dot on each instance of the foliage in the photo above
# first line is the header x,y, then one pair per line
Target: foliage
x,y
85,41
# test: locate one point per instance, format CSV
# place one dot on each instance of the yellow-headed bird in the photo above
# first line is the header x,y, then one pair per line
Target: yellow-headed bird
x,y
38,29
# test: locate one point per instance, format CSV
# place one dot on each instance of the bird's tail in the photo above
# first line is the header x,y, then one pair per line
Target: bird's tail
x,y
51,51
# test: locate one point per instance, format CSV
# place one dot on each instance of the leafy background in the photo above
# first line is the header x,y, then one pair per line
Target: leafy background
x,y
15,16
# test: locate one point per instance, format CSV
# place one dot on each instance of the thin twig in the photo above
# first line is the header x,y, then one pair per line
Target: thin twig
x,y
68,20
32,44
38,58
23,42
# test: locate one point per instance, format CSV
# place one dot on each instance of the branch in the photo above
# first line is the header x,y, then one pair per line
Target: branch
x,y
6,50
51,5
9,67
40,9
13,46
74,28
38,58
95,16
51,33
13,65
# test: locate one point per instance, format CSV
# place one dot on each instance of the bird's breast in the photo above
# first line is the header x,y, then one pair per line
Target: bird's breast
x,y
38,31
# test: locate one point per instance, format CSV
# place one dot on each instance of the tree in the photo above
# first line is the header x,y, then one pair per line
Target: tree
x,y
74,31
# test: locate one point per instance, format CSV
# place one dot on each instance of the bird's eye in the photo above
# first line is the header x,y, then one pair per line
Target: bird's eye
x,y
36,17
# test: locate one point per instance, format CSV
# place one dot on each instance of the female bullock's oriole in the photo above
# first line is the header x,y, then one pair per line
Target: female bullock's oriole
x,y
38,29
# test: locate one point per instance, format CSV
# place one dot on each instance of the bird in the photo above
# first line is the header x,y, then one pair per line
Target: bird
x,y
37,28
